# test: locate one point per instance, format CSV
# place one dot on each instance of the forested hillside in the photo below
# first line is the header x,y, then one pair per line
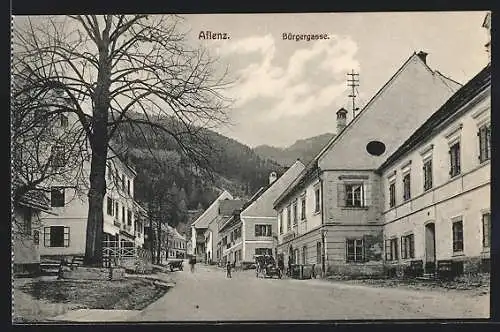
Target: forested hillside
x,y
158,159
304,149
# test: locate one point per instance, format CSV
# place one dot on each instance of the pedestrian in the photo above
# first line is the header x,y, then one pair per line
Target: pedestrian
x,y
281,265
289,271
228,269
192,262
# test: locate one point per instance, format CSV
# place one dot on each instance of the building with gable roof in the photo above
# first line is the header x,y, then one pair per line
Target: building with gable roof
x,y
436,187
200,225
339,226
252,230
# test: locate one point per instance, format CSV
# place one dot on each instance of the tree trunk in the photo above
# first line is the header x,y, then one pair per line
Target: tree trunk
x,y
151,237
158,250
99,141
95,221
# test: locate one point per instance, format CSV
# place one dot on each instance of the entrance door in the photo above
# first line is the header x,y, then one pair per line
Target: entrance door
x,y
430,248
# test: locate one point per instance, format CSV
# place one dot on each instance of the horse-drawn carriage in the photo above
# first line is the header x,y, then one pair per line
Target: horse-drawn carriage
x,y
175,264
265,266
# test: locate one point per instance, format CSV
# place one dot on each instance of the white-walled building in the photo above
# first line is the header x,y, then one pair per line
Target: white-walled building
x,y
253,231
200,225
436,186
330,215
64,234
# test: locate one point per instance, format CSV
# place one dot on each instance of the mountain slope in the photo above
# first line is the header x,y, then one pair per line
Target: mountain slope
x,y
303,149
237,168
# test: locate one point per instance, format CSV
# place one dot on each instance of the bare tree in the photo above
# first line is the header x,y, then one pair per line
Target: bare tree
x,y
111,67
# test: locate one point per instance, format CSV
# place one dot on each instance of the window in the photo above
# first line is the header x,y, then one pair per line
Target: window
x,y
263,251
354,250
484,143
129,217
27,213
41,117
303,208
455,159
295,215
123,215
428,174
289,218
392,194
109,171
486,230
318,252
56,236
296,256
128,187
406,187
63,120
316,200
263,230
354,195
280,216
36,237
117,208
57,156
391,249
109,207
407,246
57,197
304,255
458,236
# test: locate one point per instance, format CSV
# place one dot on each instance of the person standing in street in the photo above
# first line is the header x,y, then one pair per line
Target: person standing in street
x,y
192,262
289,271
228,269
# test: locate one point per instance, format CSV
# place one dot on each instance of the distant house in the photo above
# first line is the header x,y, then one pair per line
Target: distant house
x,y
26,231
330,215
253,231
228,209
436,186
200,225
174,242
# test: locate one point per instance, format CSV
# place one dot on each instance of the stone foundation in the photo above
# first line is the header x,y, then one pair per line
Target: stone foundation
x,y
357,270
93,273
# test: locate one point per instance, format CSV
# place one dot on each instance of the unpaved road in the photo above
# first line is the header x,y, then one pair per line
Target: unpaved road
x,y
206,295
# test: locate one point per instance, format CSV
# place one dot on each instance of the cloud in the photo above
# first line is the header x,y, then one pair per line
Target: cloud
x,y
311,78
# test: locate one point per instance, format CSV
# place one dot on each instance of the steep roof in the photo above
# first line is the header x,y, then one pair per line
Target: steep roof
x,y
227,207
207,216
313,167
470,90
35,199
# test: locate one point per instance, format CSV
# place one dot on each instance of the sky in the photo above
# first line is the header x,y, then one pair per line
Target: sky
x,y
285,90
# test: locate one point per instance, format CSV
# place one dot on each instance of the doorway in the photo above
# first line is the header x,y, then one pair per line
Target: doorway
x,y
430,248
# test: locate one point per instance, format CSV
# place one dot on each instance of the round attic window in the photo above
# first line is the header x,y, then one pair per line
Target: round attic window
x,y
375,148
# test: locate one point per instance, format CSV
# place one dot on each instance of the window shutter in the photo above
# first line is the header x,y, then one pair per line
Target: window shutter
x,y
403,254
387,250
480,157
451,162
365,248
367,193
341,195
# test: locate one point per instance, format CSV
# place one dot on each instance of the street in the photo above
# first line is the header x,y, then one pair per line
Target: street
x,y
207,295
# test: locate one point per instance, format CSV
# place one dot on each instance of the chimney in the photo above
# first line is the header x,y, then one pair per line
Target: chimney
x,y
272,177
341,119
423,56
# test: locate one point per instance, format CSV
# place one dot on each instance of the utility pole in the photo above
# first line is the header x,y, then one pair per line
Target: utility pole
x,y
353,82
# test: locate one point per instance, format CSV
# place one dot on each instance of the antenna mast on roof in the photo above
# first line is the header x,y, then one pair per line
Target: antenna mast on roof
x,y
353,82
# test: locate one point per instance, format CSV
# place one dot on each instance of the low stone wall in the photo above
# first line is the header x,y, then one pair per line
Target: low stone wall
x,y
356,270
93,273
